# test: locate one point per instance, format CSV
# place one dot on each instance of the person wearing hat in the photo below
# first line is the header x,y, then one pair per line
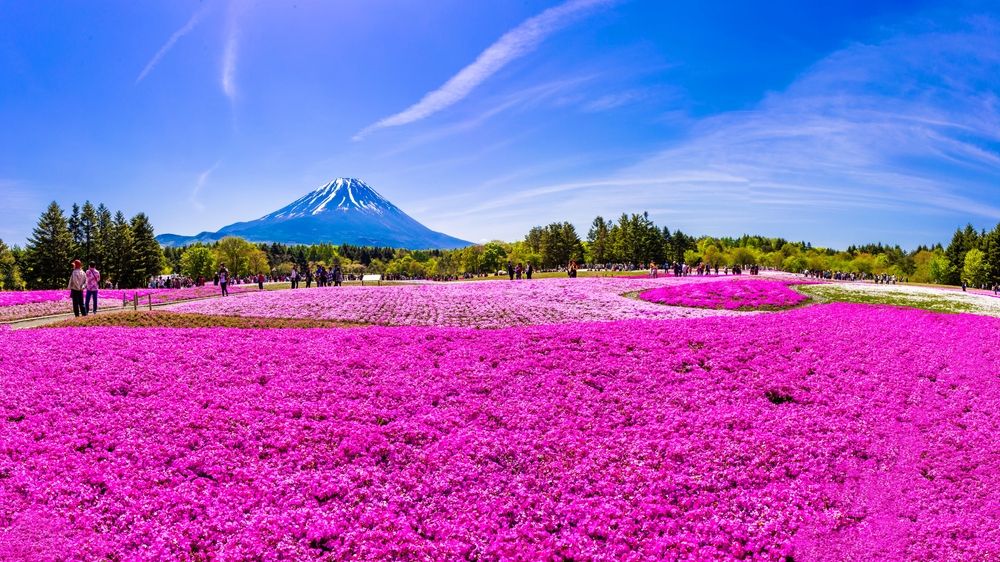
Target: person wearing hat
x,y
77,283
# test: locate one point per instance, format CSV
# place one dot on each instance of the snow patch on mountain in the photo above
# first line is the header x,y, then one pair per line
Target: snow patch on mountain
x,y
343,193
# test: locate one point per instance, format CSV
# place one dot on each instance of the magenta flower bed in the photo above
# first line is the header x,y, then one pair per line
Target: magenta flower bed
x,y
13,298
835,432
485,304
751,294
18,305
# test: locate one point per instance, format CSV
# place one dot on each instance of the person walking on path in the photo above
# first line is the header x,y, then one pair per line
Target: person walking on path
x,y
77,283
295,277
93,284
224,280
338,276
260,281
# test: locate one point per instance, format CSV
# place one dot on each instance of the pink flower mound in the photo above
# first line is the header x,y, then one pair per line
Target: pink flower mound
x,y
836,432
493,304
751,294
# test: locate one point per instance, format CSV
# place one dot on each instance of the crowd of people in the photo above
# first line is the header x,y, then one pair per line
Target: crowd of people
x,y
520,270
878,278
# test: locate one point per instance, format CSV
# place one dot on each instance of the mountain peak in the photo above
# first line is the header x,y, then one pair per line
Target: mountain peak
x,y
341,194
341,211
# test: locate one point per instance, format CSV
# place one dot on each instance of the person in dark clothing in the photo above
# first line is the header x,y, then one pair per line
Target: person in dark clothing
x,y
510,270
77,283
224,280
309,278
260,281
529,271
338,276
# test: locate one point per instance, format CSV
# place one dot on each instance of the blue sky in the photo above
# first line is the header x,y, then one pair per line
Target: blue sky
x,y
837,123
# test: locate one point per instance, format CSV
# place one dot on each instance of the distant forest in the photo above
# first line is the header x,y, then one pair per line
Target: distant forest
x,y
128,255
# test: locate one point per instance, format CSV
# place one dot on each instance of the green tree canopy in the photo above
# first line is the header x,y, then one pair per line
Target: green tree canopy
x,y
50,250
199,262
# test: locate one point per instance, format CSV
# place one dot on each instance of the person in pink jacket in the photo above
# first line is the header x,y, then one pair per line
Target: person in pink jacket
x,y
93,284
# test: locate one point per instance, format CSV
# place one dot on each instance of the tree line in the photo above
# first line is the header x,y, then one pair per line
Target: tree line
x,y
127,253
124,250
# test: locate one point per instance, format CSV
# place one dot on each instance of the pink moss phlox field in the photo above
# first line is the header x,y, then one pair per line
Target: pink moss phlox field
x,y
478,304
12,298
743,294
18,305
760,437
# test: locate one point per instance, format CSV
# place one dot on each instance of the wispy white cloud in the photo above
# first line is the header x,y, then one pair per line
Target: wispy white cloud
x,y
512,45
184,30
874,138
612,101
519,100
200,184
230,52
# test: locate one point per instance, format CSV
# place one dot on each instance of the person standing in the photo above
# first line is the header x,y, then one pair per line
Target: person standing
x,y
260,281
224,280
295,277
309,278
338,276
77,283
529,271
93,284
510,270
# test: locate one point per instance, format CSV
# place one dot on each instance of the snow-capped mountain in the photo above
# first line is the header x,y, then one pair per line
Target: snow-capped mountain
x,y
342,194
344,211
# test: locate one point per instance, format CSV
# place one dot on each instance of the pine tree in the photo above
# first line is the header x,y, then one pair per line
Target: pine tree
x,y
147,254
120,256
102,245
992,250
956,254
75,226
50,250
598,237
88,225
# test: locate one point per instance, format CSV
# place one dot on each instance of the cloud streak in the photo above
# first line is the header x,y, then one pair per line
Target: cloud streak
x,y
200,184
512,45
229,59
870,141
187,28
